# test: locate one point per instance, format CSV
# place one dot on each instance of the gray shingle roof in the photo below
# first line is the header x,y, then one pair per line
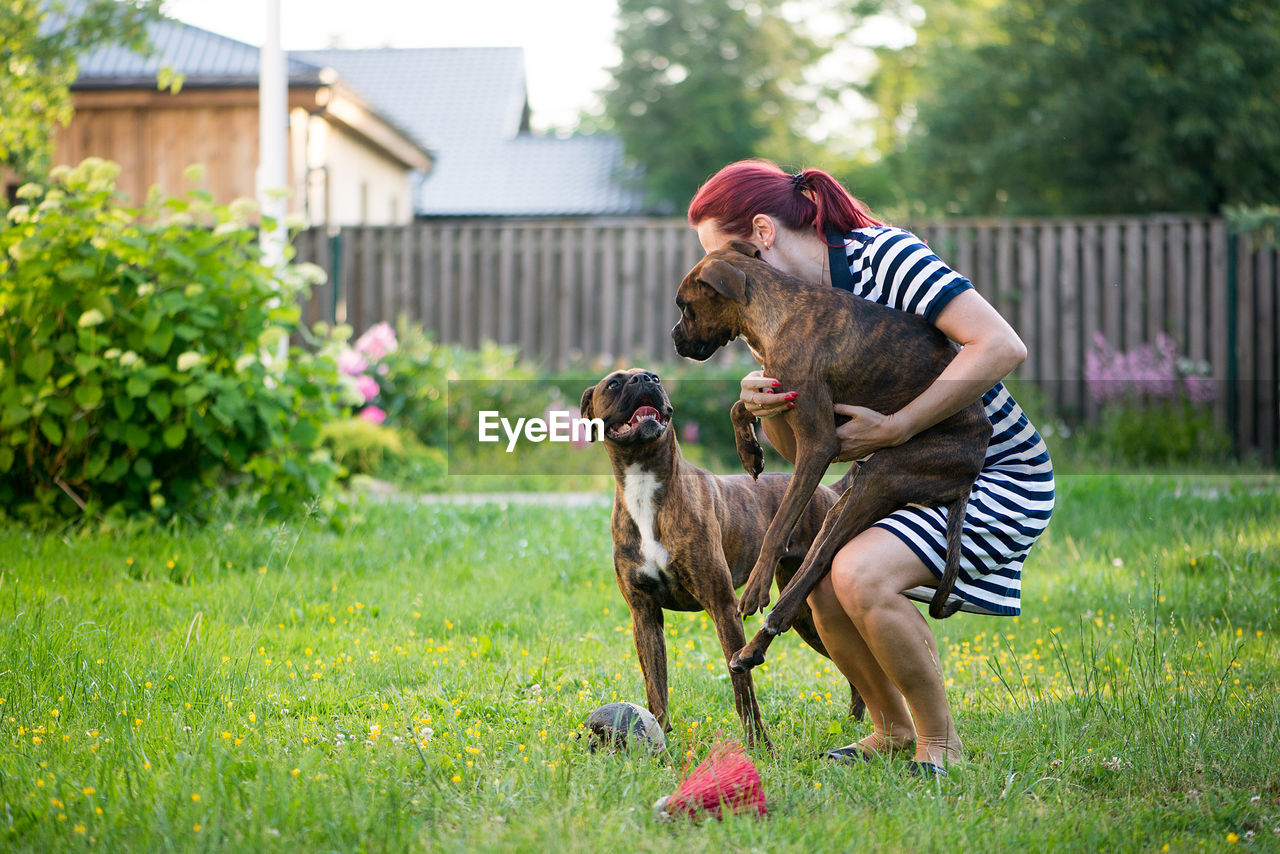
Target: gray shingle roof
x,y
207,59
468,107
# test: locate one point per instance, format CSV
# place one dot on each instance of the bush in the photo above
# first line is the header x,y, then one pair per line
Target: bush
x,y
133,367
1154,406
359,445
426,394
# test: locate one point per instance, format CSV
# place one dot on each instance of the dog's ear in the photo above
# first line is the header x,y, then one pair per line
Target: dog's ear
x,y
725,279
585,406
745,247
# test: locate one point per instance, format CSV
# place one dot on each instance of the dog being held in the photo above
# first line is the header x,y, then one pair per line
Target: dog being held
x,y
684,539
831,347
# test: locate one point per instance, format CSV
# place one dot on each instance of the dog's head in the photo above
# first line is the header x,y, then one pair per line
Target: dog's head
x,y
632,404
711,299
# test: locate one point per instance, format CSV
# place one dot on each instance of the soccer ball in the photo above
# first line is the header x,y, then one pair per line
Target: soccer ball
x,y
614,726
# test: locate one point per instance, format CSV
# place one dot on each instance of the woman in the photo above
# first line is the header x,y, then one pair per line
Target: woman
x,y
874,633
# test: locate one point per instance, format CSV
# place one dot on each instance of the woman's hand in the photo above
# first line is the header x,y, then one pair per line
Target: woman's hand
x,y
866,431
761,396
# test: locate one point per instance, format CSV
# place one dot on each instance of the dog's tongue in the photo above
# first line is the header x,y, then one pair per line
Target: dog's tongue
x,y
642,412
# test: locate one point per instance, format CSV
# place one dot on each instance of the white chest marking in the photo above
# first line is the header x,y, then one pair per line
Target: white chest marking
x,y
638,490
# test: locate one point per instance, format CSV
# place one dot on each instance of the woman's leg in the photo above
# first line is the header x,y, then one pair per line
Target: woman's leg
x,y
886,707
883,645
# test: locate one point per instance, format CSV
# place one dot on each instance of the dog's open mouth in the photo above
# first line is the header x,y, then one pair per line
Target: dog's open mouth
x,y
643,414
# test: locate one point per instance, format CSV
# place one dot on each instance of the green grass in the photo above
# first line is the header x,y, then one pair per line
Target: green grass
x,y
255,688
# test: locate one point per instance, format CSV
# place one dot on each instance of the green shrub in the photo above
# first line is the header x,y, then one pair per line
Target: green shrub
x,y
134,373
360,446
1158,433
429,394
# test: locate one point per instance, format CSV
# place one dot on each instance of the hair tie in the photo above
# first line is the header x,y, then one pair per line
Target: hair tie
x,y
797,181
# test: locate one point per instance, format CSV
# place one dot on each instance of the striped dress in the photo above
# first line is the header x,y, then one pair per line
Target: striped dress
x,y
1012,499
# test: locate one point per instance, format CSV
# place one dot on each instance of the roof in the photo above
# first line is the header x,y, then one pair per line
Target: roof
x,y
468,107
208,60
204,58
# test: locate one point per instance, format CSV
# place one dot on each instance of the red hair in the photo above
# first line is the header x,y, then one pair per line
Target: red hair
x,y
808,199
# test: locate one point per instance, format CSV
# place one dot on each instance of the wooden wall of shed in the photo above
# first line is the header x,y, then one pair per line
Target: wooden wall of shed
x,y
155,145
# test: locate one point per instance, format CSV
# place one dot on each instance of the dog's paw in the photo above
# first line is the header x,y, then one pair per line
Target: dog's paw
x,y
755,596
752,456
744,439
751,655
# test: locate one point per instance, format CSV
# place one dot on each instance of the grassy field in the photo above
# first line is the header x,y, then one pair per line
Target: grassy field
x,y
416,682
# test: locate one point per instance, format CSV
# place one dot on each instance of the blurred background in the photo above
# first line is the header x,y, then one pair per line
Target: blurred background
x,y
511,178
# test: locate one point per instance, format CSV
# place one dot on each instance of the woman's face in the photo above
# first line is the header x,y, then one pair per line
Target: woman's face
x,y
711,236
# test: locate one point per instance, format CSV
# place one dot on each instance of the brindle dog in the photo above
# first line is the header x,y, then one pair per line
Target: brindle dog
x,y
685,539
831,347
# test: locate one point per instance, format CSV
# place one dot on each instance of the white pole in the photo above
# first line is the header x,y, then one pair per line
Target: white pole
x,y
273,133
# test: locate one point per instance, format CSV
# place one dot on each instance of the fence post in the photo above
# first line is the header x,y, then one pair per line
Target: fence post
x,y
1233,367
335,274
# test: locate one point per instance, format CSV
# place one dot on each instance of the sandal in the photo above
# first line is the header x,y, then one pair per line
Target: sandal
x,y
852,754
916,768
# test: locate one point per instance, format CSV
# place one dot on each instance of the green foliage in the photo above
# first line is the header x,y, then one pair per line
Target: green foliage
x,y
707,82
360,446
1156,433
133,348
1260,222
425,381
39,43
1087,107
425,397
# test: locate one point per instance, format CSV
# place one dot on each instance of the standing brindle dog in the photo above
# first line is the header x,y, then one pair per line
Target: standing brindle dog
x,y
831,347
685,539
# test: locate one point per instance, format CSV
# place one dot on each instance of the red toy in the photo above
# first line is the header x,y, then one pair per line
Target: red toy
x,y
725,780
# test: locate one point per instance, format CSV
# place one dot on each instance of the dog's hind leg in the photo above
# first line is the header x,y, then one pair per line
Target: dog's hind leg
x,y
864,503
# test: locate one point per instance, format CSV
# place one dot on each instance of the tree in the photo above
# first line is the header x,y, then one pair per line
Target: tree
x,y
706,82
39,43
1099,106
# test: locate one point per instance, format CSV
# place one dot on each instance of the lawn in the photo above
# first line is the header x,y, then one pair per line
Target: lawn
x,y
416,681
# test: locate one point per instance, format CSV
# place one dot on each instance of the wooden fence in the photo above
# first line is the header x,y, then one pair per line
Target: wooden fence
x,y
569,292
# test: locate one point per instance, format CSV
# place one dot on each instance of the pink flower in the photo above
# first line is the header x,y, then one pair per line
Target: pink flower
x,y
367,386
372,414
378,341
689,433
352,363
1144,373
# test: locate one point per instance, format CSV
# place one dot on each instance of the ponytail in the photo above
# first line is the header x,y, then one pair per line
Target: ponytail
x,y
810,198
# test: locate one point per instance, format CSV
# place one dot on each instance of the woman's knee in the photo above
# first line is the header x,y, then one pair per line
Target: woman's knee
x,y
858,583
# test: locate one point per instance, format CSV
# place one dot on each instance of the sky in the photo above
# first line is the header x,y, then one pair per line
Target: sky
x,y
567,44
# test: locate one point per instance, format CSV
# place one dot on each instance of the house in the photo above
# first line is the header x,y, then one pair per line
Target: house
x,y
349,163
469,107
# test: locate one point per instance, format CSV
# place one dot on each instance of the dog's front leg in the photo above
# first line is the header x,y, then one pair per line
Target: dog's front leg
x,y
732,637
651,649
813,457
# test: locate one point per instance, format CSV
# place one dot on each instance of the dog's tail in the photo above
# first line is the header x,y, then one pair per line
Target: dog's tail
x,y
938,606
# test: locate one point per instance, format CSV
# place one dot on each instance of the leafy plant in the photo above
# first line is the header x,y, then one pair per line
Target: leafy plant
x,y
418,399
1155,404
39,42
139,365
